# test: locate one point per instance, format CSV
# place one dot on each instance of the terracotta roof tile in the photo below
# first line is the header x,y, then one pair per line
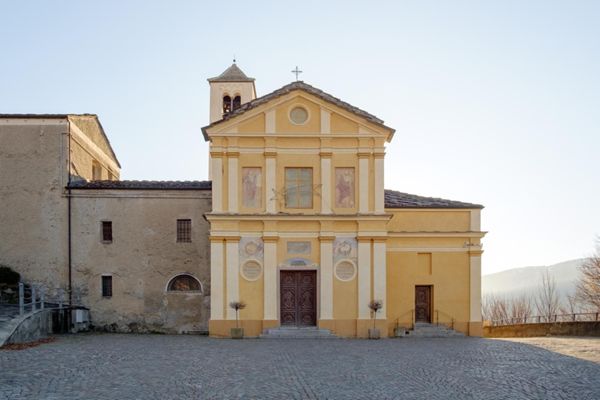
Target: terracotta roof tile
x,y
142,185
395,199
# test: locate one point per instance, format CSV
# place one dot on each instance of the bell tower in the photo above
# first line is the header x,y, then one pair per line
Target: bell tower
x,y
229,91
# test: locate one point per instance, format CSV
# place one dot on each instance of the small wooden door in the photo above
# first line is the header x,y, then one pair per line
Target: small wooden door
x,y
298,298
422,303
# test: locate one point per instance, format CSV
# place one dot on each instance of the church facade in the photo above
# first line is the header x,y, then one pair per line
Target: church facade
x,y
294,221
303,231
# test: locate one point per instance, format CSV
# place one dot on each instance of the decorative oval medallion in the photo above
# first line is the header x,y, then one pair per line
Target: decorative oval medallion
x,y
345,270
251,270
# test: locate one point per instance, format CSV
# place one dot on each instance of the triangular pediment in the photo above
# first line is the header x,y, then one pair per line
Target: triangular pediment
x,y
341,113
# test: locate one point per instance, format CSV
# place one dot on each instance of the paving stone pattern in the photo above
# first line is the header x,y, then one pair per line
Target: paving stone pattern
x,y
111,366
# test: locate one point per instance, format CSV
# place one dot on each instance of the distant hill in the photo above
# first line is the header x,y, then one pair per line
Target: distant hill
x,y
513,282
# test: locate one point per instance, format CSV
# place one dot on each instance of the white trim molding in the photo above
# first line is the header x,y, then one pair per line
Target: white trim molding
x,y
233,185
270,280
326,298
216,280
475,288
379,275
233,262
364,279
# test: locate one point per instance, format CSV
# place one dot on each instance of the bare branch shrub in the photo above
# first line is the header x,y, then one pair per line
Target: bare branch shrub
x,y
520,308
547,301
588,287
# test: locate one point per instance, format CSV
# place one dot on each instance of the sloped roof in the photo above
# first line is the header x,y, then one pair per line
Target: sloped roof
x,y
142,185
395,199
108,148
232,74
298,85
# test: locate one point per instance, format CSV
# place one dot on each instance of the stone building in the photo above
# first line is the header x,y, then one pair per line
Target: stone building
x,y
295,222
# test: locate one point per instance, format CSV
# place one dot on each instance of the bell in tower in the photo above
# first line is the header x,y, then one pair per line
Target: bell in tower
x,y
229,91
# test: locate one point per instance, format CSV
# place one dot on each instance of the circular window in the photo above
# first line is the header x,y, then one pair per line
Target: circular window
x,y
345,270
251,270
298,115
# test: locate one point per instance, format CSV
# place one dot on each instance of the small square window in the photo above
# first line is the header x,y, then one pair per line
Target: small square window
x,y
107,236
184,230
106,286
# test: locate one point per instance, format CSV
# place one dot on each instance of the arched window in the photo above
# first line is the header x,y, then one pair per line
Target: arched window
x,y
184,283
226,104
237,102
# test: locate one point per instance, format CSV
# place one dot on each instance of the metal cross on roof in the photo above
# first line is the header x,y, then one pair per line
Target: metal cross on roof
x,y
297,72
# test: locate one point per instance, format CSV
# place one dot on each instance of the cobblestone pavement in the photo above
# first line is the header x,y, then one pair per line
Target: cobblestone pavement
x,y
586,348
115,366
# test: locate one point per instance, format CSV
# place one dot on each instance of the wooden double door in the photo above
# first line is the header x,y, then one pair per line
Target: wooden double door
x,y
422,303
298,298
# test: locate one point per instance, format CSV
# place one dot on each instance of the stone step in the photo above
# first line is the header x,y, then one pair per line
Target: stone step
x,y
297,333
431,331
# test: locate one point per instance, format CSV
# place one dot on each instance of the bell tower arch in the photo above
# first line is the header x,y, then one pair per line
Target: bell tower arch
x,y
229,91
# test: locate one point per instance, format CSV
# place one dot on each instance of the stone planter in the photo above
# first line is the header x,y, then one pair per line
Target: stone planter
x,y
399,332
237,333
374,333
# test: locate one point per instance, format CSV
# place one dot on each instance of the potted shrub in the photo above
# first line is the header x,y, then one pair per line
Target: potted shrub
x,y
375,306
237,332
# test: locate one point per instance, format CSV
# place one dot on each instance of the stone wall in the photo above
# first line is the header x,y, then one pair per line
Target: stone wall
x,y
33,215
142,258
578,328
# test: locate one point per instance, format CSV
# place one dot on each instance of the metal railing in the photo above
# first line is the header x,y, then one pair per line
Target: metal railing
x,y
548,319
33,297
446,319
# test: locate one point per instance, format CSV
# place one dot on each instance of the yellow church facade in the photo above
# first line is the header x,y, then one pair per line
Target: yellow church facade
x,y
303,231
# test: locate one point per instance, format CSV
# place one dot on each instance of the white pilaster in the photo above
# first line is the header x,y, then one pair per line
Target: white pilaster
x,y
326,297
216,280
379,275
270,121
270,280
363,182
475,288
233,290
217,184
364,279
379,200
325,121
475,220
325,185
270,198
233,185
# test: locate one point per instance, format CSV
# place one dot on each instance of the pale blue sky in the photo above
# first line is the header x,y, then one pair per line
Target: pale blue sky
x,y
493,102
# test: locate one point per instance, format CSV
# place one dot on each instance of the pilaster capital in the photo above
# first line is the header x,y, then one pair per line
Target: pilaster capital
x,y
326,238
233,154
217,153
379,154
364,154
270,238
270,153
325,153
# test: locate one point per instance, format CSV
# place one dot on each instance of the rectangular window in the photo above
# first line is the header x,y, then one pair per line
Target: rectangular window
x,y
96,171
107,231
252,187
344,187
106,286
298,187
184,230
